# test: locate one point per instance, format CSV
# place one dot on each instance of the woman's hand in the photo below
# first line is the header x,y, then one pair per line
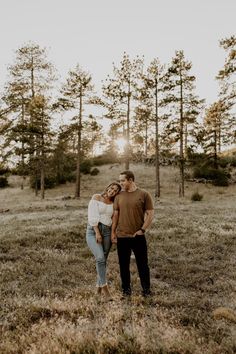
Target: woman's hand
x,y
98,237
113,237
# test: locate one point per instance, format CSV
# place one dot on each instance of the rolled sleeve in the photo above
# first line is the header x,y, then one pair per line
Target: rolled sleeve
x,y
93,213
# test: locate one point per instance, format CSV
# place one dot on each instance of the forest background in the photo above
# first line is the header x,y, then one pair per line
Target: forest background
x,y
155,116
51,129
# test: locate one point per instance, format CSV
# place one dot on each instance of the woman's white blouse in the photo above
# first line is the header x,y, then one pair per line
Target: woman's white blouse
x,y
99,212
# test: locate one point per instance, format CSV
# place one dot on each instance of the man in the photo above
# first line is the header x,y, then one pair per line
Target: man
x,y
133,214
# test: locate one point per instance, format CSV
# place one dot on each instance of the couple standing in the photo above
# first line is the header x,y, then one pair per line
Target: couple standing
x,y
121,214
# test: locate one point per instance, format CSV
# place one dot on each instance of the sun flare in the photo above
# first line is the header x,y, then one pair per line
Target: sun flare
x,y
121,143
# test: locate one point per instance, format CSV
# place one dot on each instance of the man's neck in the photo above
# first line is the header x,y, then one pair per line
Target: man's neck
x,y
132,187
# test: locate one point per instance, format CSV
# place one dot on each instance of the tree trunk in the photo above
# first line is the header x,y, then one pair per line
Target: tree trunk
x,y
42,178
127,153
157,150
181,157
77,183
33,142
219,138
42,167
185,140
215,149
146,136
22,148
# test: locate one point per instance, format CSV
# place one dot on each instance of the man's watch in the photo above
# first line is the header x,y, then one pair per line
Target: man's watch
x,y
143,231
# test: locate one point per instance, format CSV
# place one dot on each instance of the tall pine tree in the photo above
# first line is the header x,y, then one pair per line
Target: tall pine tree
x,y
226,78
31,74
183,102
120,90
75,94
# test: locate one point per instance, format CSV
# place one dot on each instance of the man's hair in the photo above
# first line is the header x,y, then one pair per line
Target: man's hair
x,y
128,174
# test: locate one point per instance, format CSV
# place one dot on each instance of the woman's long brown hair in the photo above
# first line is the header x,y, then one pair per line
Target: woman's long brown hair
x,y
109,185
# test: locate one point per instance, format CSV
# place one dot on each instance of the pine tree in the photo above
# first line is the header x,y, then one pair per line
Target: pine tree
x,y
75,92
215,128
142,128
30,75
120,90
226,79
40,127
154,81
180,87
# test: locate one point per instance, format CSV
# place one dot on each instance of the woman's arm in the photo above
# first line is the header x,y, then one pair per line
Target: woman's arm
x,y
94,217
98,234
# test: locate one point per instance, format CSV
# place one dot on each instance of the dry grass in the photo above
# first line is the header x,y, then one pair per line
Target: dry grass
x,y
47,274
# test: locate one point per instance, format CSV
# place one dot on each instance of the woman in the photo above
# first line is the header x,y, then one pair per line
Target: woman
x,y
98,235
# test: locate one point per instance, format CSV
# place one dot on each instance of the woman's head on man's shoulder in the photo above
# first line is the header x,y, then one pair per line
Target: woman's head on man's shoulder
x,y
112,190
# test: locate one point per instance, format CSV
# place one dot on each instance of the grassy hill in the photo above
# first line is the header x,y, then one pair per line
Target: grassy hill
x,y
47,276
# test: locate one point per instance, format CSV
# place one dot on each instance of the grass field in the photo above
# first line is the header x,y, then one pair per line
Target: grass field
x,y
47,277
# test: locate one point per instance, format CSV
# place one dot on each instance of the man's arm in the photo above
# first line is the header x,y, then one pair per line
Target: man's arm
x,y
148,217
115,218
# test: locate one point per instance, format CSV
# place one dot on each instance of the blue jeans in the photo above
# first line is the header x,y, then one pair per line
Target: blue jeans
x,y
100,250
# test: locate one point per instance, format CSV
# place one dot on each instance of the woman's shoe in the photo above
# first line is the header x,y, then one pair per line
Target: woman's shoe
x,y
106,292
99,290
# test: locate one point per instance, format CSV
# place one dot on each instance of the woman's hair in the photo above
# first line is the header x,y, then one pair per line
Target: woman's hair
x,y
112,184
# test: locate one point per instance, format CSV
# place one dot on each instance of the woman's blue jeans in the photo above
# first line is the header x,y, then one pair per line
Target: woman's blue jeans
x,y
100,250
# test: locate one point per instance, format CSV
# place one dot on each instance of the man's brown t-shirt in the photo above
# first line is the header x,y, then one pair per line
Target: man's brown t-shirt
x,y
131,207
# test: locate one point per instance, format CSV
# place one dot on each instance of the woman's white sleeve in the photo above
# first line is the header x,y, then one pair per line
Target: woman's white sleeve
x,y
93,213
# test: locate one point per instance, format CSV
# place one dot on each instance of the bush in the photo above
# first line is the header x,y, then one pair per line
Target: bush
x,y
3,182
196,197
224,161
204,172
4,170
105,159
219,177
233,161
196,158
227,161
67,177
85,167
49,182
95,171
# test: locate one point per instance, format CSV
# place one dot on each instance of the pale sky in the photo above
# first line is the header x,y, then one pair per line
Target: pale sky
x,y
95,33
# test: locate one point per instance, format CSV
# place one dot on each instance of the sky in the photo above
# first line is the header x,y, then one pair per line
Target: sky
x,y
95,33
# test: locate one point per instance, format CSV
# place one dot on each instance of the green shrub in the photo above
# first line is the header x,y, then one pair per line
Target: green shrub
x,y
224,161
196,197
49,182
67,177
4,170
219,177
94,172
105,159
85,167
196,158
204,172
3,182
227,161
232,161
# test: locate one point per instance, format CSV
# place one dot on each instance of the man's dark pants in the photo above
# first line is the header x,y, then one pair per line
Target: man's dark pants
x,y
138,245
